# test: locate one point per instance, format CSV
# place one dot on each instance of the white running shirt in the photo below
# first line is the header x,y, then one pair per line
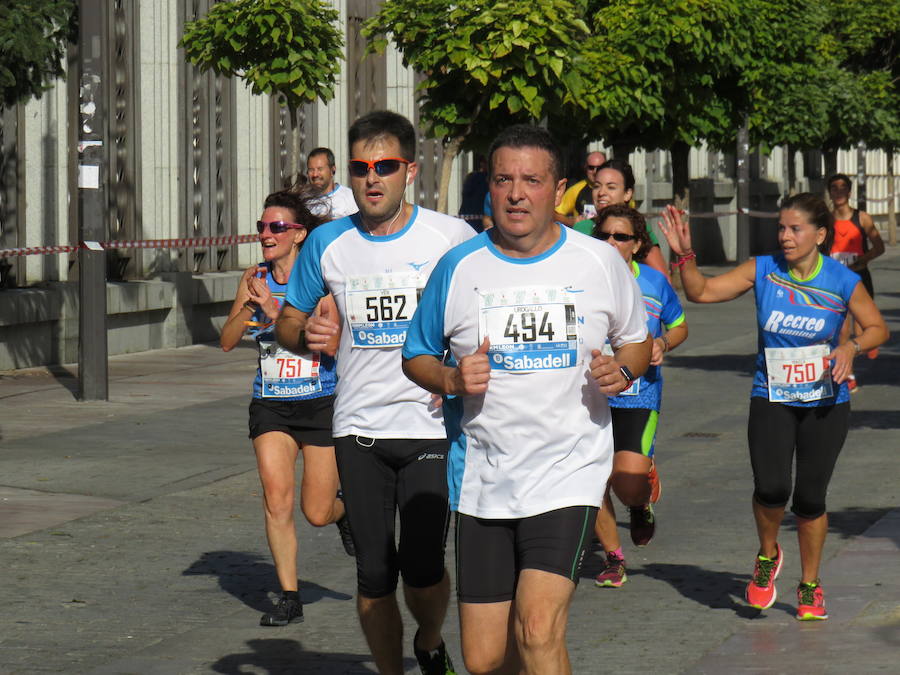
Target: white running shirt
x,y
375,282
540,438
338,203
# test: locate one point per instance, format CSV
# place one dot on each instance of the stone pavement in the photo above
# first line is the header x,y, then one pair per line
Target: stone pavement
x,y
131,533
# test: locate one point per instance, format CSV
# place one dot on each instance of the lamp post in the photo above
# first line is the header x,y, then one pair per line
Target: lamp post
x,y
92,346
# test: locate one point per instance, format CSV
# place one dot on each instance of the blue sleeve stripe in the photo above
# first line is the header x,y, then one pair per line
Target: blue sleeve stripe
x,y
307,284
426,334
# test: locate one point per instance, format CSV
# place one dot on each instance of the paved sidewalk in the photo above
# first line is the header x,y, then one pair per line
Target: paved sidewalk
x,y
131,533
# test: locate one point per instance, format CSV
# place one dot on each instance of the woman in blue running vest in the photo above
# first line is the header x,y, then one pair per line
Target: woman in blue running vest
x,y
799,405
291,408
635,411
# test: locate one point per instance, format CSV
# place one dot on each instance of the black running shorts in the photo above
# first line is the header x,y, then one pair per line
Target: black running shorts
x,y
490,553
308,421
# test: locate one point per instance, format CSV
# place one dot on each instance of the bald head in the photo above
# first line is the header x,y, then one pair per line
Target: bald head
x,y
592,167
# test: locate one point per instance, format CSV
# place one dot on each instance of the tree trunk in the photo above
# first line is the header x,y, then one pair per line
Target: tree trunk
x,y
680,174
791,169
742,153
451,150
296,163
830,155
892,197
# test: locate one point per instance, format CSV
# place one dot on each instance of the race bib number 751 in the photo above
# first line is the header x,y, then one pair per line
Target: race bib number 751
x,y
530,328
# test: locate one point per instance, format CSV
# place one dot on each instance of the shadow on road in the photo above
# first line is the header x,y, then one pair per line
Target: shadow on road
x,y
716,590
281,656
736,363
847,523
875,419
250,578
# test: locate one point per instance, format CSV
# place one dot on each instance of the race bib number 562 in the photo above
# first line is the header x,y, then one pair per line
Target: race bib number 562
x,y
380,308
530,328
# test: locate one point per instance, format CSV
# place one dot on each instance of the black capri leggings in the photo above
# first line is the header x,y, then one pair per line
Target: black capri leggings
x,y
817,434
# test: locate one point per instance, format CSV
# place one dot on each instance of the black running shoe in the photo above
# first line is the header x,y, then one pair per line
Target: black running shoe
x,y
434,662
343,526
643,524
288,610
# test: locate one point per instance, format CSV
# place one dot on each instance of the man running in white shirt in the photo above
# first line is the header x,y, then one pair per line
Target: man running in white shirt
x,y
525,309
320,170
390,442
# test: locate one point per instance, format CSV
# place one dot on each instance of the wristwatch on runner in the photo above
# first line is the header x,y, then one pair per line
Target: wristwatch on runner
x,y
626,373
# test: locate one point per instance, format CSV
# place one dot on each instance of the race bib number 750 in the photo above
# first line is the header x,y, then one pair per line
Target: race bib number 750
x,y
799,373
530,328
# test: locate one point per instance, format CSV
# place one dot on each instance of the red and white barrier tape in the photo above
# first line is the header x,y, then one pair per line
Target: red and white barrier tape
x,y
145,243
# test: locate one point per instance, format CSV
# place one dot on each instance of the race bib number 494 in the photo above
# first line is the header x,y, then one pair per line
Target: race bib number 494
x,y
380,307
530,328
799,373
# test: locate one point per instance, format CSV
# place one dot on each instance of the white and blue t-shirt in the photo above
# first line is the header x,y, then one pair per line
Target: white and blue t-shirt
x,y
288,377
376,282
337,204
664,312
540,438
799,321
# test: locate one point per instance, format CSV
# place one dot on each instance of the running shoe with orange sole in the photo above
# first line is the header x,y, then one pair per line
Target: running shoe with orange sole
x,y
811,602
761,591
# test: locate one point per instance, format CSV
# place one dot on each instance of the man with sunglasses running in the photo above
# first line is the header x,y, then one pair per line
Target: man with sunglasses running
x,y
577,202
390,441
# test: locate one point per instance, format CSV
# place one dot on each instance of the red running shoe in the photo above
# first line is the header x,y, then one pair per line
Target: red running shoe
x,y
613,575
811,602
761,591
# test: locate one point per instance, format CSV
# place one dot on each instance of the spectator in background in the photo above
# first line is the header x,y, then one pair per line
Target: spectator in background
x,y
474,191
320,170
577,202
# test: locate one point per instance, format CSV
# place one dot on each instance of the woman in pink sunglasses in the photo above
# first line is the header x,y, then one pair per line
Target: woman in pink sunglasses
x,y
293,395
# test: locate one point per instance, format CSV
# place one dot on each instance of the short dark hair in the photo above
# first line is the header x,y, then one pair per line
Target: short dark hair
x,y
623,168
818,213
300,200
840,176
528,136
380,123
633,216
321,151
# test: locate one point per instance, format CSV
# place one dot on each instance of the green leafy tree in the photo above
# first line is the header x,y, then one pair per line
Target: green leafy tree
x,y
290,48
485,65
669,74
861,48
33,39
836,83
